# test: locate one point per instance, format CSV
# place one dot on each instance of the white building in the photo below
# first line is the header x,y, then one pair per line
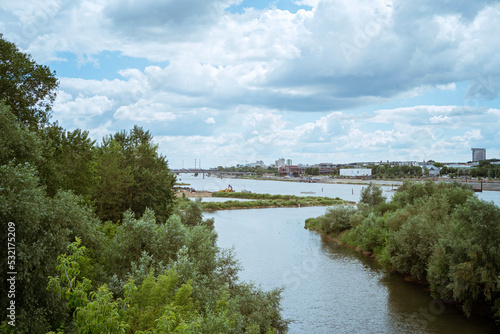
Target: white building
x,y
356,172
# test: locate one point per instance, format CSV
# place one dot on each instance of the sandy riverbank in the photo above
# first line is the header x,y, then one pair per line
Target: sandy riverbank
x,y
194,194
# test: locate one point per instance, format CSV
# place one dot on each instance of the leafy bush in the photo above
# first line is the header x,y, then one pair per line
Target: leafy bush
x,y
371,234
466,263
372,195
337,219
438,232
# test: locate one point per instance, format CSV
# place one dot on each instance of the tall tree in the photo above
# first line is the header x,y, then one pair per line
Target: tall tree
x,y
27,87
17,144
132,175
69,161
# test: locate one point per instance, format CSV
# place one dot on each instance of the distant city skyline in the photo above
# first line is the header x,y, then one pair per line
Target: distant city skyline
x,y
310,80
478,154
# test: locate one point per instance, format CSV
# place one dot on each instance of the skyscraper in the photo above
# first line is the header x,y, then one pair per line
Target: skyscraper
x,y
478,154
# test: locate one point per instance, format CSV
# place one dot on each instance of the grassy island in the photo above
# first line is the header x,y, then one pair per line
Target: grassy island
x,y
259,201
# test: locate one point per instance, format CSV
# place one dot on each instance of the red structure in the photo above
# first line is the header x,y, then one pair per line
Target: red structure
x,y
291,171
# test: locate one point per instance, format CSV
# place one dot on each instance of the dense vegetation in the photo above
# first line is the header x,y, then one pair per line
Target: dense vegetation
x,y
101,246
438,233
259,171
313,171
386,171
485,168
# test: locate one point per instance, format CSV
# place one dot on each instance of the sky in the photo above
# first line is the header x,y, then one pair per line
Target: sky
x,y
234,81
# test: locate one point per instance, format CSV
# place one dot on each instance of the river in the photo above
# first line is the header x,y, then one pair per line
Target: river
x,y
349,192
328,288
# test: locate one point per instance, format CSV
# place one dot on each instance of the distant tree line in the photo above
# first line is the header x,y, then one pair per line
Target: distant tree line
x,y
259,171
101,244
312,171
386,171
438,233
484,169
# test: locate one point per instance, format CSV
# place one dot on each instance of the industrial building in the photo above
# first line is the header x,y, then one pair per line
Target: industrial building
x,y
478,154
291,171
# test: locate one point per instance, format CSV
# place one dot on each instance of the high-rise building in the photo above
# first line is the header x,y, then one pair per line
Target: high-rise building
x,y
280,162
478,154
288,162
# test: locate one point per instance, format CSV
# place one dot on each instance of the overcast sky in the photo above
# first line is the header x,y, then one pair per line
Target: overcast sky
x,y
231,81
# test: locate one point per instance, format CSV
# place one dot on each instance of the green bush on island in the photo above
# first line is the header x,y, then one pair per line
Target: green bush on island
x,y
439,233
267,200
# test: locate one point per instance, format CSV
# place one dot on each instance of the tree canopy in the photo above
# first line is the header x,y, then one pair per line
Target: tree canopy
x,y
27,87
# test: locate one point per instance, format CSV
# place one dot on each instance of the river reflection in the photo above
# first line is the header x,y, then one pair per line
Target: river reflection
x,y
330,288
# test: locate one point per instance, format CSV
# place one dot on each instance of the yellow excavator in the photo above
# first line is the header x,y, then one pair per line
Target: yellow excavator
x,y
229,189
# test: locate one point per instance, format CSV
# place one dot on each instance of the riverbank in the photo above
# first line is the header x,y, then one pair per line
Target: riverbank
x,y
487,185
420,234
337,238
194,194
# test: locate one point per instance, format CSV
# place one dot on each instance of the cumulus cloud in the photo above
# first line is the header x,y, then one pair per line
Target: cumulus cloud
x,y
80,110
340,58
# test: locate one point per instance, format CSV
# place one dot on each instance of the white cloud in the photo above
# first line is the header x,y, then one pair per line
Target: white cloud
x,y
80,110
340,58
312,3
144,111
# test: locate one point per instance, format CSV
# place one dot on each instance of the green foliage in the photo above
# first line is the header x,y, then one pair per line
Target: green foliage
x,y
68,284
101,314
312,171
466,265
159,302
335,220
191,213
17,143
132,175
436,232
136,236
28,88
372,195
267,200
69,161
371,234
198,293
260,309
386,171
44,226
52,184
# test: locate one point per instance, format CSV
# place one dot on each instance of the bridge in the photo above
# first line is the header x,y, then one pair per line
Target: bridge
x,y
209,172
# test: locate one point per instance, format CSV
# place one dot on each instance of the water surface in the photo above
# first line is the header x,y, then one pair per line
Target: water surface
x,y
349,192
330,288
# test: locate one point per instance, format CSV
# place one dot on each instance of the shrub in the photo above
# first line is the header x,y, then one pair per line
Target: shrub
x,y
371,234
337,219
372,195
